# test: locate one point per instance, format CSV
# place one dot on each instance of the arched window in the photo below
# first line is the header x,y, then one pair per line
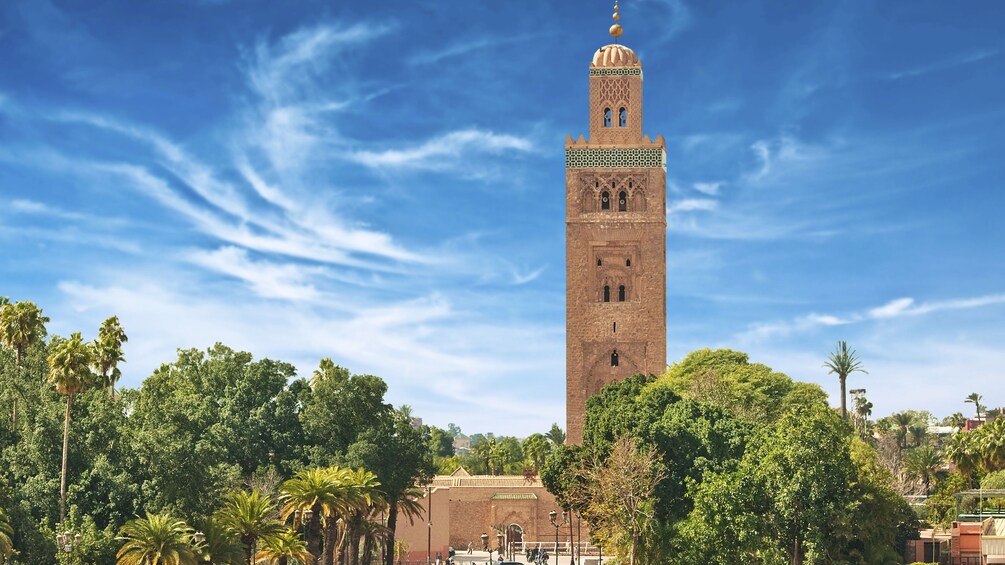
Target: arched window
x,y
628,262
622,202
614,358
607,293
599,262
621,293
605,200
607,117
622,117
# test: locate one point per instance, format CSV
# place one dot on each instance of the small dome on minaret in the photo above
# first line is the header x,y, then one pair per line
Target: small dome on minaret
x,y
615,55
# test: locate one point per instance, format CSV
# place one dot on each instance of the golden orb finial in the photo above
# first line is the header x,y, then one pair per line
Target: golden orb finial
x,y
616,30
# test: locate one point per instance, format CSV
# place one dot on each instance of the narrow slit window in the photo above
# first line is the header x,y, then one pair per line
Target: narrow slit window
x,y
607,117
599,262
621,293
622,117
607,293
605,200
628,262
615,327
614,358
622,202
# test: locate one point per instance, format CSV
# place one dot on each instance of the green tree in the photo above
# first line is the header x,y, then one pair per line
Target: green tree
x,y
843,362
70,372
536,448
250,516
903,421
441,443
556,435
108,352
284,548
157,539
398,454
6,533
21,325
330,494
975,399
621,511
922,464
220,546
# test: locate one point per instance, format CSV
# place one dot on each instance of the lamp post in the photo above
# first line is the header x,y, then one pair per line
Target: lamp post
x,y
198,537
553,517
429,524
499,545
485,545
67,542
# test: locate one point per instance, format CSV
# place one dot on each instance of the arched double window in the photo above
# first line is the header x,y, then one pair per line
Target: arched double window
x,y
621,293
605,200
622,117
614,358
607,293
607,117
622,201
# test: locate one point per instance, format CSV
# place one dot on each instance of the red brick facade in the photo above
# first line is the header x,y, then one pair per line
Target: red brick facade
x,y
615,239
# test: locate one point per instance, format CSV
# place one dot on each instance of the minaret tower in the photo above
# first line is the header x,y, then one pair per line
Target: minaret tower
x,y
615,216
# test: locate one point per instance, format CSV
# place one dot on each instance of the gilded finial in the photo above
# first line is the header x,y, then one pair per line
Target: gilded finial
x,y
616,28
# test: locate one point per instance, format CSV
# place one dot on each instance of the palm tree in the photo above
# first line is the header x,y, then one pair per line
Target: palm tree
x,y
556,435
108,352
976,400
963,452
219,546
21,325
250,516
6,533
903,421
158,539
319,490
956,420
537,447
843,362
70,372
918,433
284,548
922,464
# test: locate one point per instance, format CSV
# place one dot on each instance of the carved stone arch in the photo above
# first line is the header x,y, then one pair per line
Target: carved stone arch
x,y
638,199
588,199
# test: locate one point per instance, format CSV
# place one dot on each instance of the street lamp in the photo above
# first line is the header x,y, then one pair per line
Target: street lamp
x,y
553,517
67,542
199,537
499,545
485,545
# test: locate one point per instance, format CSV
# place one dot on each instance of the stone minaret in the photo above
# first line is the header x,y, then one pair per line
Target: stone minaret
x,y
615,216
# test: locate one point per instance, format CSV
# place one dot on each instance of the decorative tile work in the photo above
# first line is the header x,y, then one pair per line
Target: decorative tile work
x,y
615,72
628,158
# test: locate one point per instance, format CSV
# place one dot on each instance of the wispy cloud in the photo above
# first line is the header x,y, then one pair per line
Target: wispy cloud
x,y
896,308
692,204
708,188
445,151
269,280
467,46
945,64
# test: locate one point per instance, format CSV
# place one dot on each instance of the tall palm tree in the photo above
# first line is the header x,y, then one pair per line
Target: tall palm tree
x,y
70,372
6,533
108,352
318,490
536,447
903,420
976,400
922,464
158,539
284,548
963,451
250,516
21,325
843,362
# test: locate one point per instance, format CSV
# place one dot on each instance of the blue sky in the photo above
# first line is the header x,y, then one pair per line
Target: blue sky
x,y
383,183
